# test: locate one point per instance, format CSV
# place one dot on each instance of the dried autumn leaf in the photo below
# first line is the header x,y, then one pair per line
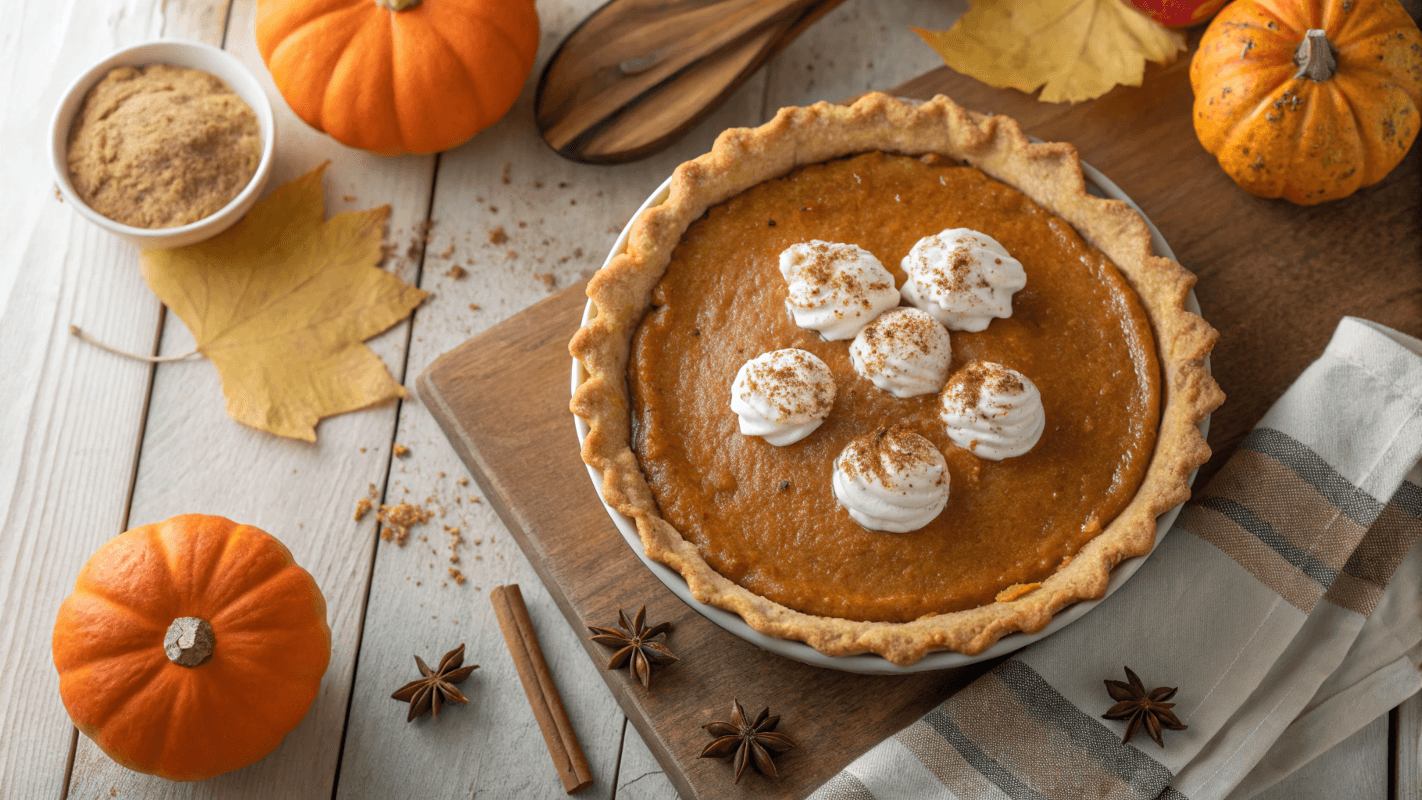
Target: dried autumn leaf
x,y
281,303
1072,49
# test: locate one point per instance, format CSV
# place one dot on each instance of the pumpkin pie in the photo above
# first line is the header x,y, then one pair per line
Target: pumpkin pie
x,y
885,378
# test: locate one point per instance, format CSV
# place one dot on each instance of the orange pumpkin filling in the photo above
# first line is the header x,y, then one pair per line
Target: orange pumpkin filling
x,y
766,517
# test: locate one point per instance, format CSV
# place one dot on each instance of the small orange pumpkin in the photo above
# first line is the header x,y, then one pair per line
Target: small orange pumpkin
x,y
191,647
1309,101
399,76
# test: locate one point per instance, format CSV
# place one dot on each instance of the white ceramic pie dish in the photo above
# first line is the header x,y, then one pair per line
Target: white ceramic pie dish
x,y
870,663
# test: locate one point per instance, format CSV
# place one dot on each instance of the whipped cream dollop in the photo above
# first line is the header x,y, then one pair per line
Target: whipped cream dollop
x,y
963,278
904,351
994,411
891,480
782,396
835,289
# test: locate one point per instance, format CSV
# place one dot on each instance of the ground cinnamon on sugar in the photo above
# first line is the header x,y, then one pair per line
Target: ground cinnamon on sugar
x,y
159,146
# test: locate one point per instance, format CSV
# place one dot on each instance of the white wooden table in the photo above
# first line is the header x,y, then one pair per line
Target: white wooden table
x,y
91,444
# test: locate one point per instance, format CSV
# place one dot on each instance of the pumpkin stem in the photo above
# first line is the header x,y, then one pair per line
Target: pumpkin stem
x,y
1314,57
397,5
189,641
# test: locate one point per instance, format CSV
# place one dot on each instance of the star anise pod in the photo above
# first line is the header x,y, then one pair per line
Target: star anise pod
x,y
1134,703
634,644
437,686
752,742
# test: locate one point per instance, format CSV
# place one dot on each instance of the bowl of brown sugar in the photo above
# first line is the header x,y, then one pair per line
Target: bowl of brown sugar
x,y
164,144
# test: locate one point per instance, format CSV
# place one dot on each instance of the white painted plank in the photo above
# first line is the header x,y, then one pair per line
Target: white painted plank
x,y
559,218
859,46
71,413
640,777
1409,749
1356,768
196,459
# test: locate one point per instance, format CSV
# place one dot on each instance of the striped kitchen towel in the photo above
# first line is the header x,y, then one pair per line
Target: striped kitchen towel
x,y
1286,605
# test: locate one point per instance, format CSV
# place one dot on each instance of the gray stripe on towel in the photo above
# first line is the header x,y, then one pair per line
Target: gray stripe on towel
x,y
1307,563
1143,773
978,759
1362,507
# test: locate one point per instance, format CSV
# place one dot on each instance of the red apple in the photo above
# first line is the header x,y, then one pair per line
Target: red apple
x,y
1179,13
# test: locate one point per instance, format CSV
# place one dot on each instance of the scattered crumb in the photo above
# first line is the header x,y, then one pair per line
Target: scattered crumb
x,y
572,201
473,499
510,254
362,449
362,508
473,307
448,252
371,491
399,519
457,576
508,169
522,224
493,209
60,198
562,184
536,185
349,198
441,473
497,235
548,280
400,452
463,481
456,272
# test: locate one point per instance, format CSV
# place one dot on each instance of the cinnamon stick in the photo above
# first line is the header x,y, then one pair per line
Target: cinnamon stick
x,y
543,696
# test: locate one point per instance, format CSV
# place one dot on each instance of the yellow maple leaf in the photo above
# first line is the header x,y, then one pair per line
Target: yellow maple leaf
x,y
281,303
1072,49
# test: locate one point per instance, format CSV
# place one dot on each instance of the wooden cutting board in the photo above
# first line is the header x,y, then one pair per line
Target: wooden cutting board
x,y
1274,279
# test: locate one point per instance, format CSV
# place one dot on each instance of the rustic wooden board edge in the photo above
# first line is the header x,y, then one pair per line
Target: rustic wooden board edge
x,y
431,385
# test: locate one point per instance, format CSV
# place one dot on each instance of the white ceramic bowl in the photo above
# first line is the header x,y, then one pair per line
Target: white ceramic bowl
x,y
194,55
870,663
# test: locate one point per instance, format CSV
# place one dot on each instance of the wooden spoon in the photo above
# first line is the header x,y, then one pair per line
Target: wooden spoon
x,y
637,74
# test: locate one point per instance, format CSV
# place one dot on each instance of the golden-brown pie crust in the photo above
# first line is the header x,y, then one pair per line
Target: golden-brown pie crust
x,y
1048,173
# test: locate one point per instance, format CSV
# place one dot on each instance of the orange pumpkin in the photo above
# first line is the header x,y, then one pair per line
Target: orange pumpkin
x,y
191,647
1308,100
399,76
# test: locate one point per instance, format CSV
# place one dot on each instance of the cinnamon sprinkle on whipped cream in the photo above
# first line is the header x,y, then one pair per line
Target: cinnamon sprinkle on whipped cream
x,y
835,289
905,352
891,480
963,278
782,396
994,411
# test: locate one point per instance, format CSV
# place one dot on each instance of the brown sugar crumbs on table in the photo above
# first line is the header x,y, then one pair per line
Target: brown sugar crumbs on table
x,y
766,517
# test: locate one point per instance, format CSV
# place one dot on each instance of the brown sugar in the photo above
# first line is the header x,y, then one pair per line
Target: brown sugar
x,y
160,146
399,519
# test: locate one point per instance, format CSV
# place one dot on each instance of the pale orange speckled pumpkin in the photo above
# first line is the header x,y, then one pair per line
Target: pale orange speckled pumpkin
x,y
190,647
1309,100
399,76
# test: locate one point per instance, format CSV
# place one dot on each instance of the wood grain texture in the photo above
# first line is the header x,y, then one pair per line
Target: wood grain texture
x,y
543,495
1355,769
639,776
1408,756
194,458
72,414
